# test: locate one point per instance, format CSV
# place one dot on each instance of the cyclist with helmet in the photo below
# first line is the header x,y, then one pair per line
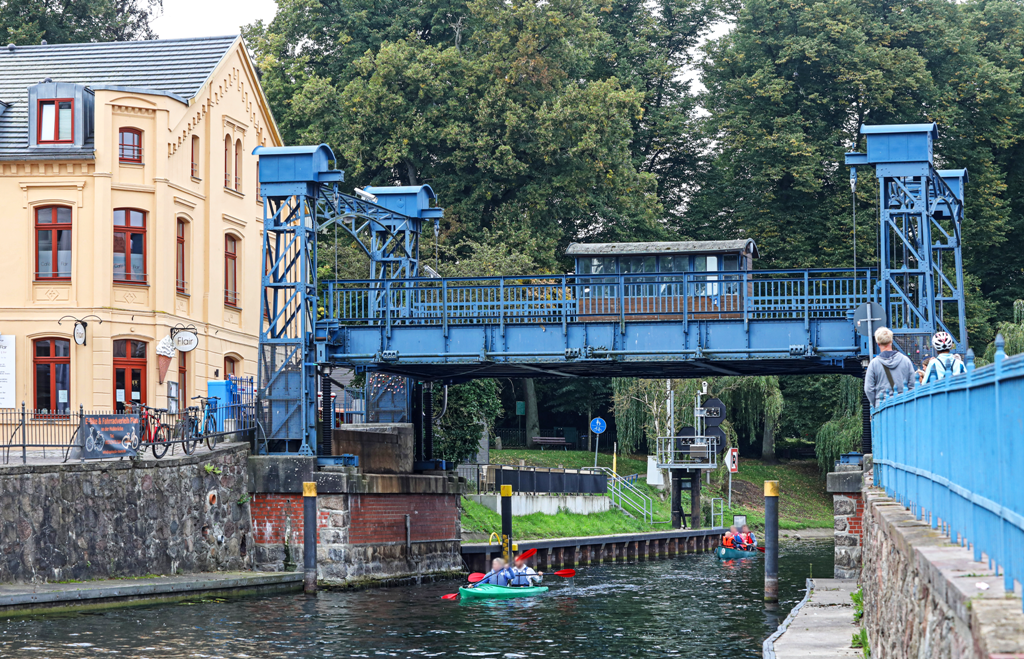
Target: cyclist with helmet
x,y
944,363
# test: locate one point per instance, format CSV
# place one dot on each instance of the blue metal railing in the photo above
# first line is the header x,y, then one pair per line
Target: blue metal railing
x,y
953,452
561,299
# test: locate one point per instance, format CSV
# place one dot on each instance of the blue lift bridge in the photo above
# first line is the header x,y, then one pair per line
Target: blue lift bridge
x,y
601,321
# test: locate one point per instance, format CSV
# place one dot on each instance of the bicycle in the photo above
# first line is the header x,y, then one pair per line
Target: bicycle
x,y
198,421
154,432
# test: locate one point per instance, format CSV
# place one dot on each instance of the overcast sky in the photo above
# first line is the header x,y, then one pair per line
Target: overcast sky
x,y
210,18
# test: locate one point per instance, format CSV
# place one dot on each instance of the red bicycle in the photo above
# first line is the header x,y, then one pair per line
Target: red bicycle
x,y
154,432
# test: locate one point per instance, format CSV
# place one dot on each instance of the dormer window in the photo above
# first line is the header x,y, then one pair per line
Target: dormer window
x,y
56,121
130,145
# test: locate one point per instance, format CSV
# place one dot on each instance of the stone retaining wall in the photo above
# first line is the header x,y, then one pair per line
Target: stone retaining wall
x,y
922,596
125,518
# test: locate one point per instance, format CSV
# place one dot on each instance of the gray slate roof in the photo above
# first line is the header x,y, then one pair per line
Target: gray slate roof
x,y
679,247
172,67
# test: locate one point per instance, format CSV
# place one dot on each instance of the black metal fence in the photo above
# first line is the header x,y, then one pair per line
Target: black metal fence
x,y
546,481
43,433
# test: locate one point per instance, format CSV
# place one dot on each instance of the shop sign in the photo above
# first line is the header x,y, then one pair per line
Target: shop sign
x,y
8,390
186,340
80,333
109,435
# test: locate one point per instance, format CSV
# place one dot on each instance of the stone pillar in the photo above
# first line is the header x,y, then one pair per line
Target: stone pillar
x,y
848,510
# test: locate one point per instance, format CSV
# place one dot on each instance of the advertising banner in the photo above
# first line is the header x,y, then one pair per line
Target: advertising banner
x,y
109,435
8,390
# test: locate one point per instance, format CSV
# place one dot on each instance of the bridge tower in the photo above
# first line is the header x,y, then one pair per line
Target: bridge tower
x,y
301,199
921,282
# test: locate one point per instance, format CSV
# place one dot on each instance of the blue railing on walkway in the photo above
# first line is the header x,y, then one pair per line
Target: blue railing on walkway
x,y
552,299
953,452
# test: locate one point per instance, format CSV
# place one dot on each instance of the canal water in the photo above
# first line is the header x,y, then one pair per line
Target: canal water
x,y
688,606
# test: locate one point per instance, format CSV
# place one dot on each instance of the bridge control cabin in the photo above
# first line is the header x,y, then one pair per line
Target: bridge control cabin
x,y
664,280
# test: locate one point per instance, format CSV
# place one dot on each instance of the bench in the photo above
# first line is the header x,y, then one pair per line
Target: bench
x,y
552,441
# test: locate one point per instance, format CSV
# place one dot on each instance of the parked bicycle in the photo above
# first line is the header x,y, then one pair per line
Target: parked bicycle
x,y
199,421
154,431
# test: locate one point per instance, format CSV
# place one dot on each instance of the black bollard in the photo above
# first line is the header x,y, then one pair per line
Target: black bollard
x,y
309,537
695,499
506,523
771,542
677,499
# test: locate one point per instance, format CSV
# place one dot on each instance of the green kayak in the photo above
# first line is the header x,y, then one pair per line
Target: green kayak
x,y
725,553
487,591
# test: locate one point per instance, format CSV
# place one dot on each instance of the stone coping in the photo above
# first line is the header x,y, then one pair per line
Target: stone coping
x,y
146,462
18,599
821,625
993,615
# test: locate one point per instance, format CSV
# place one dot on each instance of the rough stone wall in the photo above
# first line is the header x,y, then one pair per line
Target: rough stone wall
x,y
921,594
124,518
848,510
362,537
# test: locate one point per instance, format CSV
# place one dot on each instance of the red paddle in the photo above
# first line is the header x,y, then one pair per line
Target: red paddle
x,y
526,554
476,576
565,573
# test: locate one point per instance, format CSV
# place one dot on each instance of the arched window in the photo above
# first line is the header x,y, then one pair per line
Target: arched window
x,y
195,156
129,373
180,273
51,365
129,245
130,145
53,242
227,161
230,367
230,271
238,166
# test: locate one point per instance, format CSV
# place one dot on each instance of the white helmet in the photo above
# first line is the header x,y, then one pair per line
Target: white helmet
x,y
942,341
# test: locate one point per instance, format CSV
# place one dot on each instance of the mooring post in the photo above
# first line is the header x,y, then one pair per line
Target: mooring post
x,y
309,537
677,499
695,499
506,523
771,542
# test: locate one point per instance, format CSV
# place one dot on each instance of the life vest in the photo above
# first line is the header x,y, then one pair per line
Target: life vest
x,y
748,538
727,541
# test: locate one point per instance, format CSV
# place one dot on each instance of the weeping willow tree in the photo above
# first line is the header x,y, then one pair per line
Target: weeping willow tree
x,y
842,433
1013,334
636,404
754,404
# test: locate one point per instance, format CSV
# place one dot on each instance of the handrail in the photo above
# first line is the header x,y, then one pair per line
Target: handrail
x,y
950,452
640,502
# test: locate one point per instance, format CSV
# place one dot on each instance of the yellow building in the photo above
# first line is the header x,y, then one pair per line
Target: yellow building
x,y
130,197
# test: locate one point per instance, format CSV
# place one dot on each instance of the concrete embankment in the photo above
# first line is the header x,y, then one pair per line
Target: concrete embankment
x,y
820,626
26,599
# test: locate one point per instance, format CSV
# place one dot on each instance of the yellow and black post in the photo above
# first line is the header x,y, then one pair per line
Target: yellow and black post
x,y
309,537
771,542
506,522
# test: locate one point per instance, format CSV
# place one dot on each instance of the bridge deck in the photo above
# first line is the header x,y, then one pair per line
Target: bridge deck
x,y
654,325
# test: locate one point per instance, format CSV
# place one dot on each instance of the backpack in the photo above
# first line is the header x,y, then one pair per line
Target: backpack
x,y
948,366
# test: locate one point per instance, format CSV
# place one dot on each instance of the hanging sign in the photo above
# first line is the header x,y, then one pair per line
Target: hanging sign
x,y
520,408
108,435
80,333
598,425
8,393
186,340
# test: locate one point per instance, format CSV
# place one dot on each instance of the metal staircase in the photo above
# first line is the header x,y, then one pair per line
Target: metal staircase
x,y
628,498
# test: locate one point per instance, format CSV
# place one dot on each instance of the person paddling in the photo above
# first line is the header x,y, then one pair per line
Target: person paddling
x,y
731,538
523,574
498,576
749,539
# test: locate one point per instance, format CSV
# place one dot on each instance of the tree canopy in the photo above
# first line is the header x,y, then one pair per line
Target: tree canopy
x,y
27,22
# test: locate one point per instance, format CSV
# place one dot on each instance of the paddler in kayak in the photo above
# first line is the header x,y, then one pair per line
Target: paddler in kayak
x,y
498,576
748,538
524,575
731,539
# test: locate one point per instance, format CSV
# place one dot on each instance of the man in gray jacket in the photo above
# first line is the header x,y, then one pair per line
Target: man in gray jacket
x,y
889,370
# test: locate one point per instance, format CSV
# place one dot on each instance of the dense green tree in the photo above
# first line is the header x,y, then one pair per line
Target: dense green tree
x,y
472,407
27,22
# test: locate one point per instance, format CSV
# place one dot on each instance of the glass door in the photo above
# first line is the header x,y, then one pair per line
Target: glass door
x,y
129,374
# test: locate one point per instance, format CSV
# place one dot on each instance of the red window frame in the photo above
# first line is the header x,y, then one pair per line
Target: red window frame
x,y
56,120
195,156
51,361
129,152
182,381
230,271
227,161
129,231
53,226
128,362
229,367
180,281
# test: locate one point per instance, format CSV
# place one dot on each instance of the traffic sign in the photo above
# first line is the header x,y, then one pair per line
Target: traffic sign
x,y
598,425
868,317
733,460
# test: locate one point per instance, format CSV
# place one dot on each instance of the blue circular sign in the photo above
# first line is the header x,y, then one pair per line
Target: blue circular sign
x,y
598,425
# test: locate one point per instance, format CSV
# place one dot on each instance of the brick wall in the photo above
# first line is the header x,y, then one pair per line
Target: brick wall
x,y
376,518
272,513
849,518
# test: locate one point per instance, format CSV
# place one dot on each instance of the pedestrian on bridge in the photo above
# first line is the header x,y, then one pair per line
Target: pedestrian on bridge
x,y
890,371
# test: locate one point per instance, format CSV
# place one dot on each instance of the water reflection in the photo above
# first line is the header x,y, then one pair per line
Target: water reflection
x,y
690,606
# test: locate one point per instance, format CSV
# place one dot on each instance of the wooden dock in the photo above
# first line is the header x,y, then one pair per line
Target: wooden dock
x,y
561,553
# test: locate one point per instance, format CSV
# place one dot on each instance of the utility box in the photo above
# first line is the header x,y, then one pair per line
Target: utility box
x,y
900,143
409,200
